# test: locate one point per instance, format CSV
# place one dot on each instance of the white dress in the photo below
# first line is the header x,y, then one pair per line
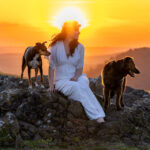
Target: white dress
x,y
77,90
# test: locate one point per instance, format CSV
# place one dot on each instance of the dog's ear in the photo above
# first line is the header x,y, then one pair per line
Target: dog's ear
x,y
128,59
44,42
38,44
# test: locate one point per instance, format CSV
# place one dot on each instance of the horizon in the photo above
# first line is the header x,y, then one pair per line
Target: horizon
x,y
88,53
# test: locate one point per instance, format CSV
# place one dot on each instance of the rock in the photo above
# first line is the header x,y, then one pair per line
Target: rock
x,y
96,85
44,133
76,109
10,99
64,102
69,124
11,120
70,116
9,130
37,114
37,137
25,135
27,112
28,128
128,89
39,123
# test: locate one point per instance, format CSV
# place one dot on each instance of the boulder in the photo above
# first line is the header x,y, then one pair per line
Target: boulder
x,y
37,114
9,130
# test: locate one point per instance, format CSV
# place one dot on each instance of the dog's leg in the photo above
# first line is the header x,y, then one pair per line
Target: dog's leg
x,y
123,88
41,73
121,100
118,98
106,98
36,72
23,68
29,76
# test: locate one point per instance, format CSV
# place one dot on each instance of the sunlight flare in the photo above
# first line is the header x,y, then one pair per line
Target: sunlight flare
x,y
69,13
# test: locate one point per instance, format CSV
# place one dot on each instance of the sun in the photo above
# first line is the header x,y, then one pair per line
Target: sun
x,y
70,13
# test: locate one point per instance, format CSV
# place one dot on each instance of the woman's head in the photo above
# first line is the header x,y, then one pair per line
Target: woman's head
x,y
70,29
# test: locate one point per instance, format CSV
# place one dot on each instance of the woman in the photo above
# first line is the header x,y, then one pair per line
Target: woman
x,y
67,59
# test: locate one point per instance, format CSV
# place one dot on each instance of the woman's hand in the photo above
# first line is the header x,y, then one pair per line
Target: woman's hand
x,y
78,73
51,88
73,79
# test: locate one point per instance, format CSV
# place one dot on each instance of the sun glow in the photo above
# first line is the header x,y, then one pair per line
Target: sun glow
x,y
70,13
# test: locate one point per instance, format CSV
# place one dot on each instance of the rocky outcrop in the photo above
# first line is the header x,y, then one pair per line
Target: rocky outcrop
x,y
32,114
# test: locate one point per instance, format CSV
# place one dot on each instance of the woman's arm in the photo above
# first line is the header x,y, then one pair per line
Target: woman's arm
x,y
79,68
51,68
51,79
78,73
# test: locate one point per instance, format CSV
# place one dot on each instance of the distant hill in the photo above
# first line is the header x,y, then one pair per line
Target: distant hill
x,y
11,63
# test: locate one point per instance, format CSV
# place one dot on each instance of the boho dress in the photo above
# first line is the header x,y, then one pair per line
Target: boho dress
x,y
79,90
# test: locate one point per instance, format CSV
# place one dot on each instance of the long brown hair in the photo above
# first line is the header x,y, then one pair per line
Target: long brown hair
x,y
68,26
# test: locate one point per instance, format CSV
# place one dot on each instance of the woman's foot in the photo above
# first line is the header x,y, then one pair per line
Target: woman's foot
x,y
100,120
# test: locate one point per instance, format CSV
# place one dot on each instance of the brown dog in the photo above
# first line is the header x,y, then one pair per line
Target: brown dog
x,y
32,59
114,78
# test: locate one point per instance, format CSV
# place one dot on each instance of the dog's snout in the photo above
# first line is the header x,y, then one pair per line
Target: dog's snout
x,y
137,71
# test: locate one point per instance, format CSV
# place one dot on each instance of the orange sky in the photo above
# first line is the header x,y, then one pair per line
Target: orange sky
x,y
109,23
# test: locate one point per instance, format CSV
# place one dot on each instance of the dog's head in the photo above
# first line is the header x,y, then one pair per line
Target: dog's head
x,y
129,66
42,49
